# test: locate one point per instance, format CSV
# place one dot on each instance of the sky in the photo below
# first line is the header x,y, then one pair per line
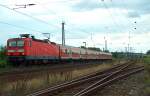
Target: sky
x,y
123,23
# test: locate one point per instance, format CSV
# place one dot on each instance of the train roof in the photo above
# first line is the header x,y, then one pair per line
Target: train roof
x,y
67,46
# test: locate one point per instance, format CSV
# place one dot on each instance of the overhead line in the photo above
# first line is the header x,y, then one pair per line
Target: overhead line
x,y
30,16
21,27
116,11
55,1
37,18
60,17
45,7
113,19
129,37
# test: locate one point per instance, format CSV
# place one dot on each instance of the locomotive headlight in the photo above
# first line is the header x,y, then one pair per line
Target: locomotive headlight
x,y
20,50
11,50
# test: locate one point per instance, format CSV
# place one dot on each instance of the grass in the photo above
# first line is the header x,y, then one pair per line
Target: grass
x,y
4,66
78,73
45,79
146,59
146,89
3,63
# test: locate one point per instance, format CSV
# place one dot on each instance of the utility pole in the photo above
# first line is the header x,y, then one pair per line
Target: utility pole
x,y
63,34
85,49
85,44
105,43
129,46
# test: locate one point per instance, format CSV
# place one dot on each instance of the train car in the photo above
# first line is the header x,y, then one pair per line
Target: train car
x,y
26,49
76,53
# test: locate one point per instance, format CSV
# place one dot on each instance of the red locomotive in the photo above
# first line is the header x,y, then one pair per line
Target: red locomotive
x,y
28,49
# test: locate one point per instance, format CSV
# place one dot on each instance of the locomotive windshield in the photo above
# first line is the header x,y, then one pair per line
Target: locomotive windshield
x,y
19,43
12,43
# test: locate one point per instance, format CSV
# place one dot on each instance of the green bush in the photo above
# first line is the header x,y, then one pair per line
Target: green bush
x,y
3,61
146,60
2,52
147,65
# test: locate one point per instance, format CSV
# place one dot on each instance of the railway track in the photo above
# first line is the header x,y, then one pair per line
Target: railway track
x,y
90,83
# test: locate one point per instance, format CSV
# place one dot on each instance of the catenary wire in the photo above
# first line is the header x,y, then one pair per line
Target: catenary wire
x,y
29,16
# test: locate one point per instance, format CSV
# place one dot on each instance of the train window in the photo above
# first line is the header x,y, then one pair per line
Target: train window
x,y
30,42
70,52
20,43
12,43
66,51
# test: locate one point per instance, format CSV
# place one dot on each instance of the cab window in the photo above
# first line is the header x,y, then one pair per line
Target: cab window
x,y
20,43
12,43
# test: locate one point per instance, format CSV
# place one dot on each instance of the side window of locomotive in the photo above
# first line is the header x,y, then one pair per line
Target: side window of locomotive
x,y
30,43
70,52
20,43
65,51
12,43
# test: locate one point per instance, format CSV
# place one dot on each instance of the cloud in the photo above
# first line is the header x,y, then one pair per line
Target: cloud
x,y
114,20
139,7
133,15
86,5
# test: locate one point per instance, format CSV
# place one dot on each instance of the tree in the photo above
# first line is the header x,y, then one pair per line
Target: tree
x,y
94,48
115,54
2,52
83,47
106,51
148,52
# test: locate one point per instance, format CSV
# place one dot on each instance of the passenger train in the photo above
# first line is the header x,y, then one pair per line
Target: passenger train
x,y
28,49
